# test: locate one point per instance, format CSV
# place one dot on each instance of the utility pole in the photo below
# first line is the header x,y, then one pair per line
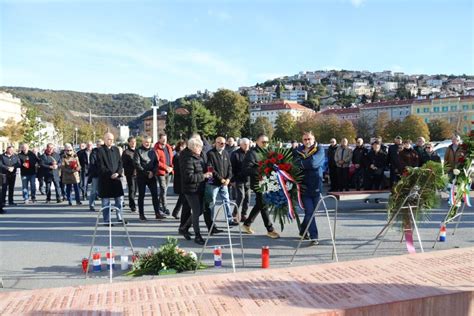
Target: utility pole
x,y
90,117
155,118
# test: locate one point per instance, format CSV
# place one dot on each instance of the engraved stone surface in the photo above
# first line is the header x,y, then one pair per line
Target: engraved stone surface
x,y
436,283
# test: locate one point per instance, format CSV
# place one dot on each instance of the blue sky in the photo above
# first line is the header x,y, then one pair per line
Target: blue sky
x,y
174,48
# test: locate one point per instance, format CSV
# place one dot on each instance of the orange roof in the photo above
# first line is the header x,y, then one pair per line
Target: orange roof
x,y
340,111
279,105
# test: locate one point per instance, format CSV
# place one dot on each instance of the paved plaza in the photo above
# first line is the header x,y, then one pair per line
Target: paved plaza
x,y
41,246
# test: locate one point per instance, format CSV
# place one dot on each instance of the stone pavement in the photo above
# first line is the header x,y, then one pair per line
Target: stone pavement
x,y
436,283
41,245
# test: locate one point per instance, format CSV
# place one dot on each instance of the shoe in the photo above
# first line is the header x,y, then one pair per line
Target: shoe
x,y
233,223
185,234
306,237
79,203
122,221
107,224
64,198
91,208
377,201
69,203
216,231
143,218
59,201
198,240
314,242
14,204
273,235
247,230
243,218
167,212
366,201
32,201
175,214
133,210
160,217
48,201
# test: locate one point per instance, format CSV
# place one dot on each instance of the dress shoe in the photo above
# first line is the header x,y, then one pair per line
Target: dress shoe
x,y
185,234
143,218
216,231
166,211
133,210
59,201
69,203
91,208
160,217
79,203
175,214
122,221
273,235
233,223
199,240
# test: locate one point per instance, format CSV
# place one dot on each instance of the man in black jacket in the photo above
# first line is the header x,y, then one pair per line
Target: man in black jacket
x,y
429,154
49,166
218,162
9,163
394,160
250,165
93,175
332,166
241,181
146,164
130,172
359,159
84,159
28,161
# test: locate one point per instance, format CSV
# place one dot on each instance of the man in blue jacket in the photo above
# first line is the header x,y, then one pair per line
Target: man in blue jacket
x,y
310,157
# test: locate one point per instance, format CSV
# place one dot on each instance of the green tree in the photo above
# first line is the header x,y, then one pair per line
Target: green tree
x,y
380,124
170,128
199,120
279,89
364,128
312,103
440,129
309,123
246,130
413,126
31,125
328,128
392,130
262,125
231,109
12,130
347,130
285,127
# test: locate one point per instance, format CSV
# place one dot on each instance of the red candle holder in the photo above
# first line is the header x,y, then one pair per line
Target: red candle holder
x,y
265,257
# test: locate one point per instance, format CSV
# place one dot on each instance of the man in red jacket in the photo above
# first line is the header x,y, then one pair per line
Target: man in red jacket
x,y
164,152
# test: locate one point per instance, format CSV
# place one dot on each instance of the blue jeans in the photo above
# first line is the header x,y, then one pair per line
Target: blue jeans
x,y
211,196
118,204
31,181
309,203
76,192
93,193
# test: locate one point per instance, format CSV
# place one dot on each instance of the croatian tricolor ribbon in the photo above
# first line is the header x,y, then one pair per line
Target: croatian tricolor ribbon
x,y
467,199
283,177
465,196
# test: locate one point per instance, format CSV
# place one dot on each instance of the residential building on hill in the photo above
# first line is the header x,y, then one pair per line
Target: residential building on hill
x,y
348,114
294,95
272,109
10,108
396,110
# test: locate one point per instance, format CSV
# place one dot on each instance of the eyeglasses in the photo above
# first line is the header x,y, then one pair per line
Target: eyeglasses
x,y
265,141
305,139
220,143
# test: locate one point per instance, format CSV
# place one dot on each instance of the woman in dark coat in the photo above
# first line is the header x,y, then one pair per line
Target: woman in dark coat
x,y
193,178
377,162
310,157
408,156
109,164
177,180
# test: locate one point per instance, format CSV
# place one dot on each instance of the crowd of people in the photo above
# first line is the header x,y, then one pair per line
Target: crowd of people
x,y
201,173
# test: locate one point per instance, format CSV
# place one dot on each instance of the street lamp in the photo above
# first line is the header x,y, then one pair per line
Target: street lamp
x,y
155,119
75,136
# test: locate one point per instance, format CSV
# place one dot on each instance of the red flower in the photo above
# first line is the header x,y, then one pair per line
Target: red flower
x,y
461,159
273,161
464,146
271,153
267,170
260,163
280,157
267,161
285,166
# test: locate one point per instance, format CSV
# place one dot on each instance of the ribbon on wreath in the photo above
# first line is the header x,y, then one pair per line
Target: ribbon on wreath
x,y
409,239
465,196
283,177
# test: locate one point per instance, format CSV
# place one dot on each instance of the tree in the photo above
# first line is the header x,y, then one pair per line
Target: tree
x,y
199,120
380,124
309,123
231,109
347,130
262,125
364,128
31,125
312,103
392,130
285,127
413,126
170,128
279,89
246,130
440,129
12,130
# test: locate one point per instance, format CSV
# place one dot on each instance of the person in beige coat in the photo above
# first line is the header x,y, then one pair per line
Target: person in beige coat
x,y
343,158
70,168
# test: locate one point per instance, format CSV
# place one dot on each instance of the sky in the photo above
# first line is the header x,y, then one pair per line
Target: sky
x,y
174,48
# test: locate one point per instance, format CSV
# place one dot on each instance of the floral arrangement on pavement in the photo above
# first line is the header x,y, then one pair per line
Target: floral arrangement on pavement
x,y
168,259
279,181
461,185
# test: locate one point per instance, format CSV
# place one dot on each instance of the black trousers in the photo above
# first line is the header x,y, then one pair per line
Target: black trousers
x,y
376,181
243,198
48,180
342,179
261,208
132,191
8,186
333,178
179,204
186,214
358,178
196,203
142,183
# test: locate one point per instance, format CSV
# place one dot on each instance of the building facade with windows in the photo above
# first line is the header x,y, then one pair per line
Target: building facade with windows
x,y
273,109
10,108
459,111
396,110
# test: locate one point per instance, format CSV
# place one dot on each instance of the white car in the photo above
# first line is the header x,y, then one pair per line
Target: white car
x,y
441,147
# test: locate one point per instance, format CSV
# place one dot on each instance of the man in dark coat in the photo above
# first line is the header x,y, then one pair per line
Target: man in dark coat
x,y
49,166
84,159
250,165
130,172
359,159
394,160
110,169
28,161
9,163
429,154
331,152
93,175
408,156
376,162
241,181
420,148
146,164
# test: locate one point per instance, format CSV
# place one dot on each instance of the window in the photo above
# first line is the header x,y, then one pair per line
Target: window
x,y
426,110
465,117
427,120
465,107
418,110
454,107
436,109
444,109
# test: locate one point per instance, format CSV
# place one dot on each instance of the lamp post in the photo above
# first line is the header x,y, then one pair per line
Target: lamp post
x,y
75,136
155,119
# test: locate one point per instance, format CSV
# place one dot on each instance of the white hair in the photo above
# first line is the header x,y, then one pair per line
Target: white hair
x,y
194,142
67,146
244,141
